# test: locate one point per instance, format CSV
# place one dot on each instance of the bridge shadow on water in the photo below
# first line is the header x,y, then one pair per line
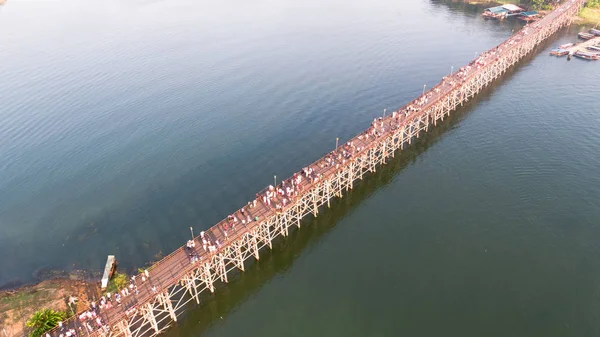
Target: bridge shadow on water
x,y
197,318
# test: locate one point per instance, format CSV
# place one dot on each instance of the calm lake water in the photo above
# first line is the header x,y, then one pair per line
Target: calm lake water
x,y
125,122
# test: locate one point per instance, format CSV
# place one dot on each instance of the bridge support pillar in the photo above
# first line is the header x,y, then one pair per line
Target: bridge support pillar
x,y
207,277
328,193
222,269
254,247
240,257
124,327
169,305
149,313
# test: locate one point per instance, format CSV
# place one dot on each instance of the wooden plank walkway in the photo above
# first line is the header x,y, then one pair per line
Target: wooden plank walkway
x,y
181,276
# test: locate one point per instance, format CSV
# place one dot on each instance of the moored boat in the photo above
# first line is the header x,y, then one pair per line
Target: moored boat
x,y
586,36
595,31
594,48
559,52
586,56
566,45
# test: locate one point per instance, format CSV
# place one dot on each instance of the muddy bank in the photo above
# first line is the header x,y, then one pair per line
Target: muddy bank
x,y
17,305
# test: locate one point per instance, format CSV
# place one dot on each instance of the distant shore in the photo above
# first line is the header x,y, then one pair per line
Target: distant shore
x,y
587,16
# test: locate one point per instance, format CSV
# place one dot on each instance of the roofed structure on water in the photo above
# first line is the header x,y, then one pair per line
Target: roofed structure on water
x,y
512,8
502,11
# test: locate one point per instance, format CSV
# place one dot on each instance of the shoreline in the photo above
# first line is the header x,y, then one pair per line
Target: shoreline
x,y
587,16
18,304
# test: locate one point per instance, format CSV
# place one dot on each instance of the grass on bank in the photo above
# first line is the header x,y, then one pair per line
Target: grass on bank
x,y
590,15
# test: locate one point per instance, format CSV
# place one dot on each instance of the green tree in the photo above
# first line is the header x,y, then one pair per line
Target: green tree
x,y
44,320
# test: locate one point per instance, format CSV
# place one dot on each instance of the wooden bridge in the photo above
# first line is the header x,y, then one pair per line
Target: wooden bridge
x,y
198,267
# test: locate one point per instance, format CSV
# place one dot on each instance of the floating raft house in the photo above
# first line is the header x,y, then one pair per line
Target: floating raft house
x,y
500,12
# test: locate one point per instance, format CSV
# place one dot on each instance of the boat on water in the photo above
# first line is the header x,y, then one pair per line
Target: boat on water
x,y
594,48
559,52
595,31
586,36
566,45
586,56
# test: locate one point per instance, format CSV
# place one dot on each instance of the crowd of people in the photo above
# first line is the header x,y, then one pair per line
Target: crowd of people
x,y
89,320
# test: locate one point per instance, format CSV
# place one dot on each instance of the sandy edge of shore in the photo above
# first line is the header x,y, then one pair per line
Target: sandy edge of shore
x,y
17,305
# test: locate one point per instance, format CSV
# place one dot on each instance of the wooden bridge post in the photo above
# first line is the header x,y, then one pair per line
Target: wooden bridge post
x,y
222,268
280,223
255,245
284,222
124,327
372,159
169,305
314,203
208,278
240,257
267,228
299,215
190,285
363,165
336,182
328,193
350,175
195,286
185,282
149,313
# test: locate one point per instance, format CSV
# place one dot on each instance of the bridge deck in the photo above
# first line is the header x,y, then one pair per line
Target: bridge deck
x,y
170,270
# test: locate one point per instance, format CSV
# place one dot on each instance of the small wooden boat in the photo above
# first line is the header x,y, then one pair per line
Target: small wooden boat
x,y
586,36
559,52
566,45
586,56
594,48
595,31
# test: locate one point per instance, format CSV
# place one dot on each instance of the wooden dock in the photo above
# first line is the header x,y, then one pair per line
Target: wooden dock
x,y
185,274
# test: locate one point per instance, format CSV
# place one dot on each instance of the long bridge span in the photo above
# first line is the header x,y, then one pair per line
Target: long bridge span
x,y
182,276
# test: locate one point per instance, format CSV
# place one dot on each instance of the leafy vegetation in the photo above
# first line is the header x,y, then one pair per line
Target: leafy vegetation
x,y
549,4
44,320
118,281
539,4
593,4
